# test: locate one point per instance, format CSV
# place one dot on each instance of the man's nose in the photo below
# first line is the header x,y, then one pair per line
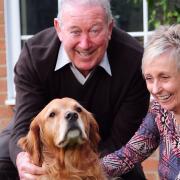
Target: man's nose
x,y
85,42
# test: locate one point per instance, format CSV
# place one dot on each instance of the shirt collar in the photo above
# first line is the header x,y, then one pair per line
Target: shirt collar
x,y
63,59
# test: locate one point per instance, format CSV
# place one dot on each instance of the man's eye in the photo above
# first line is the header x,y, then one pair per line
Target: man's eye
x,y
52,114
75,33
94,31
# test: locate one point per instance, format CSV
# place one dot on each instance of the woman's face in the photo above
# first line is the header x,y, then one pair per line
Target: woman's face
x,y
163,81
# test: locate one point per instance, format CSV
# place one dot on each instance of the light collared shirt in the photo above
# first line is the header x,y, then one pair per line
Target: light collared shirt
x,y
63,59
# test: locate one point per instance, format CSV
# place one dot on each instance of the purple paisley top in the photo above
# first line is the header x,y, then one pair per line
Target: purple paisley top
x,y
158,129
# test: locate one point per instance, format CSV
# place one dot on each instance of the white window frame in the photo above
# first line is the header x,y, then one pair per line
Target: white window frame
x,y
14,37
13,44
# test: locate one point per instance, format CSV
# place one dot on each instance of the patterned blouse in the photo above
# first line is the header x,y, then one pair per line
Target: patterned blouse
x,y
158,129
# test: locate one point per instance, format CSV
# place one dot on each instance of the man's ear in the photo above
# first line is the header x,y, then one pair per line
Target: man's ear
x,y
110,28
58,28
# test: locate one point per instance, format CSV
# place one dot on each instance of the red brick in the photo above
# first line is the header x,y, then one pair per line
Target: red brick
x,y
2,44
1,5
3,85
2,32
3,71
3,98
150,164
1,18
6,112
152,176
3,123
2,57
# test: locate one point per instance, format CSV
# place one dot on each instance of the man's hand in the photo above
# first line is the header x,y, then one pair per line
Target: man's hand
x,y
27,170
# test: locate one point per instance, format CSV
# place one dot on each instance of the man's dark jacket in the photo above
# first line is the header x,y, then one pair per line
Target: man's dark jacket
x,y
118,102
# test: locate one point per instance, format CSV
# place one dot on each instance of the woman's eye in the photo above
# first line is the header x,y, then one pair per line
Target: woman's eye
x,y
148,78
52,114
164,77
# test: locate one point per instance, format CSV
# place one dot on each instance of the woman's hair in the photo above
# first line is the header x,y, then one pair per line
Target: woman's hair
x,y
105,4
164,39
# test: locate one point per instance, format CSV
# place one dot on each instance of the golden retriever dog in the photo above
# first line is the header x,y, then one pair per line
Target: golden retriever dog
x,y
63,138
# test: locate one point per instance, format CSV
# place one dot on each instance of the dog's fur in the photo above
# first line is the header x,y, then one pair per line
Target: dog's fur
x,y
63,138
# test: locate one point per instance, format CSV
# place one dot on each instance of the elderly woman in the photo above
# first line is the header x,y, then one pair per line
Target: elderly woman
x,y
161,126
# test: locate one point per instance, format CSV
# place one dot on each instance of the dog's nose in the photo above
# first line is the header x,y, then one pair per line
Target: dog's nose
x,y
71,116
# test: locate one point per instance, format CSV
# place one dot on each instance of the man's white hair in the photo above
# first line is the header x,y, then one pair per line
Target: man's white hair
x,y
105,4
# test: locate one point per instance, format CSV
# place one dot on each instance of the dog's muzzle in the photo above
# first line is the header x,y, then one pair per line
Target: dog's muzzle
x,y
73,135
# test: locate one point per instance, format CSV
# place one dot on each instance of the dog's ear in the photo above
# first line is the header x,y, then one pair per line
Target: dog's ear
x,y
31,143
94,133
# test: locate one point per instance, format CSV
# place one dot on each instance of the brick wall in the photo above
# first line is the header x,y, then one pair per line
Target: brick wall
x,y
150,165
5,111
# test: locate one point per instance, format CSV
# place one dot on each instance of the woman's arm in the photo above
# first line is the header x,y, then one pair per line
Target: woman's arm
x,y
140,146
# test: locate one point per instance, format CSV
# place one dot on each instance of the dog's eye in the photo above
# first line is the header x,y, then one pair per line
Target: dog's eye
x,y
78,109
52,114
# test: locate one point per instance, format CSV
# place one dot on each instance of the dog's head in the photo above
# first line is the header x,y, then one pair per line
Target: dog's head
x,y
62,123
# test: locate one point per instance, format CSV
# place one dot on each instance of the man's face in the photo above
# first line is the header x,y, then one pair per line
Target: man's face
x,y
85,33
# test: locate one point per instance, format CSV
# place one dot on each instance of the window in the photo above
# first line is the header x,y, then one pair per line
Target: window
x,y
36,16
23,18
131,17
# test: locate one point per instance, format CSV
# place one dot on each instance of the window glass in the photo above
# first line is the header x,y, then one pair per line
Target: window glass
x,y
128,14
37,15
